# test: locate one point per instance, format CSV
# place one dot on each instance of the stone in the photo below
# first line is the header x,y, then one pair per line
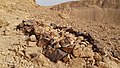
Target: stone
x,y
100,50
77,51
66,58
79,34
68,49
54,34
87,53
48,50
29,29
64,42
47,29
31,44
80,38
103,65
57,55
89,38
27,22
84,43
56,45
82,46
90,61
53,25
52,41
33,38
97,56
63,16
71,30
20,26
43,42
116,54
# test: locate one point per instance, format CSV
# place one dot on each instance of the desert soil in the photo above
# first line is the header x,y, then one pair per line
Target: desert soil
x,y
100,18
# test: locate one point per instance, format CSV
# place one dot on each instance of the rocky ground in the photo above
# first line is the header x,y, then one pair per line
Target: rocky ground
x,y
100,18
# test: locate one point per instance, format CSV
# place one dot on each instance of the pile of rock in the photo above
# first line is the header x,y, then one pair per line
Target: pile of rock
x,y
58,43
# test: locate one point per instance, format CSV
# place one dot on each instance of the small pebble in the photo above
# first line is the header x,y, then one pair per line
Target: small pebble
x,y
33,38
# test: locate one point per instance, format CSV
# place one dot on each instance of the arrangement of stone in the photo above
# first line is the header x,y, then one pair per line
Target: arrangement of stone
x,y
58,43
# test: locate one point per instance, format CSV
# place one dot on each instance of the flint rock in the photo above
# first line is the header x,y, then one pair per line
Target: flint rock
x,y
42,42
57,55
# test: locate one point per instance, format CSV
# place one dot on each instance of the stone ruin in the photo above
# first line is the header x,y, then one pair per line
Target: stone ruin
x,y
58,43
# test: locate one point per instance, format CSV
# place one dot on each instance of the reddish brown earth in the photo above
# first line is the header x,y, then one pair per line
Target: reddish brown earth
x,y
101,18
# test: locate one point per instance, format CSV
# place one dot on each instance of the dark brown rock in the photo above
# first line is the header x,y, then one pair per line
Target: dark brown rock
x,y
56,45
20,26
48,50
71,30
64,42
57,55
42,42
68,49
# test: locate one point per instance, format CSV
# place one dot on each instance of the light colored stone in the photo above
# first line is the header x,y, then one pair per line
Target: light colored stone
x,y
97,57
66,58
57,45
87,53
64,16
77,51
84,43
20,53
32,44
80,38
33,38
